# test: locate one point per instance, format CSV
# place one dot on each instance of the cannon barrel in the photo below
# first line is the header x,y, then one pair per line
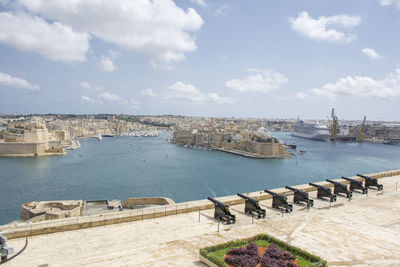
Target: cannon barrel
x,y
247,198
271,193
366,177
352,180
218,203
294,189
317,185
333,182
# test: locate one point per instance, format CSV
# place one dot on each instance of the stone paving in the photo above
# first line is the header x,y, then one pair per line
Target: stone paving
x,y
362,232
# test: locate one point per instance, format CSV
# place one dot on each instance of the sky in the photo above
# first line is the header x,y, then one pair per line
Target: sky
x,y
237,58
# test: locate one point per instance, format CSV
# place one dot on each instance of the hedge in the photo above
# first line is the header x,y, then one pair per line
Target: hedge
x,y
317,261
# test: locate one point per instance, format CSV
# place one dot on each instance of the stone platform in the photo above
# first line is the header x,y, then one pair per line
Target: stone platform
x,y
362,232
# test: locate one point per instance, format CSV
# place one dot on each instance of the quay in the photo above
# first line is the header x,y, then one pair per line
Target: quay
x,y
362,232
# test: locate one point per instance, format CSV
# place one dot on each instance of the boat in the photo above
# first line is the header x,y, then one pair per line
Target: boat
x,y
98,136
292,145
314,131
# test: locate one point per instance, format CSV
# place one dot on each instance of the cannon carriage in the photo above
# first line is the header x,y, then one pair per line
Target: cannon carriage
x,y
324,191
356,185
301,196
370,181
222,212
340,188
280,202
252,206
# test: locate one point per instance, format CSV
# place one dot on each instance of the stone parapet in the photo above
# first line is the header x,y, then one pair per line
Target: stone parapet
x,y
67,224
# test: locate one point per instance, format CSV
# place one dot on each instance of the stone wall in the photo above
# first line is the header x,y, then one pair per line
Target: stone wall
x,y
68,224
129,202
15,148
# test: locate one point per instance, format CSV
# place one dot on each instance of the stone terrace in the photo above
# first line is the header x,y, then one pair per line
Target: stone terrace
x,y
362,232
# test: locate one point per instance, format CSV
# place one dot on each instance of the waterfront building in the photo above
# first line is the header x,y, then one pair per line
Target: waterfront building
x,y
24,138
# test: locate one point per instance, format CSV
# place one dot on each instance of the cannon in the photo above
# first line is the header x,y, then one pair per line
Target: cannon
x,y
251,205
369,181
300,196
354,184
279,201
340,188
222,212
324,191
4,249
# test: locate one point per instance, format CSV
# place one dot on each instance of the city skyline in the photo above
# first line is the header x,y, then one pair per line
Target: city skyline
x,y
201,58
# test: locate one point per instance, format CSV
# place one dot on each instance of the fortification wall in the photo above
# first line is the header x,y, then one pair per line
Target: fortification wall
x,y
15,148
68,224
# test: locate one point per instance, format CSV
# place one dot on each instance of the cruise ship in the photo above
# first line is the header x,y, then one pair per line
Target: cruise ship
x,y
310,130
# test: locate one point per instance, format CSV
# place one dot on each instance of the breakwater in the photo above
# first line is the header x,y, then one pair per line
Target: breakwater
x,y
69,224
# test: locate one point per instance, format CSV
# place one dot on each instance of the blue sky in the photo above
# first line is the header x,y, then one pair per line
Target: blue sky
x,y
258,58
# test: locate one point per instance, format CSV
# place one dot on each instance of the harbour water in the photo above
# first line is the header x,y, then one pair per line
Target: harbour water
x,y
120,167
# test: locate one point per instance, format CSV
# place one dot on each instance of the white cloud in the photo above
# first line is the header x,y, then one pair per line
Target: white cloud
x,y
220,100
8,80
133,103
395,3
54,41
317,29
261,80
114,98
106,64
181,93
158,30
85,85
88,86
360,86
302,95
87,99
201,3
371,53
149,92
220,10
110,97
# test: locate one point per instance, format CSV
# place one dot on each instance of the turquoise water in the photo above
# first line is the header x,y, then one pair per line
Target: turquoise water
x,y
121,167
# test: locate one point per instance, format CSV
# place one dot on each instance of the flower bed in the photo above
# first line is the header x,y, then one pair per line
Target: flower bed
x,y
217,254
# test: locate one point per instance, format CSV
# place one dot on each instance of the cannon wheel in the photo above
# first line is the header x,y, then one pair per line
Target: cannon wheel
x,y
3,258
380,187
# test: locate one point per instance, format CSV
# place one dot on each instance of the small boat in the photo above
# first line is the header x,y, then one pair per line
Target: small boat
x,y
301,152
292,145
98,136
